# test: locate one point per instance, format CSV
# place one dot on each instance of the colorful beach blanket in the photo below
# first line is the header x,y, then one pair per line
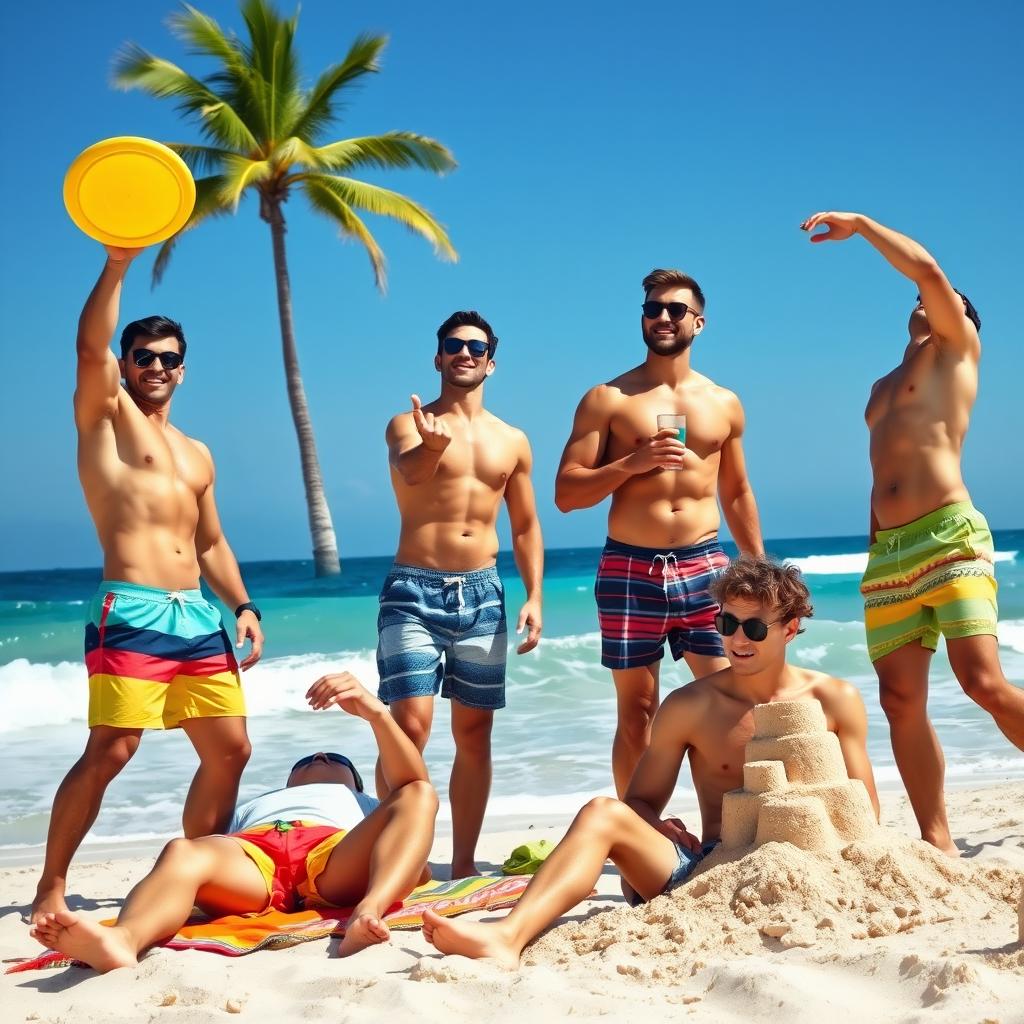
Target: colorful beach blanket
x,y
272,929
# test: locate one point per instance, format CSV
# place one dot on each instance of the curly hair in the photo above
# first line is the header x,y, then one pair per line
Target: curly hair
x,y
767,582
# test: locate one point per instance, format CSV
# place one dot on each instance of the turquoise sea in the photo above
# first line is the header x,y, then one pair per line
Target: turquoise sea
x,y
551,744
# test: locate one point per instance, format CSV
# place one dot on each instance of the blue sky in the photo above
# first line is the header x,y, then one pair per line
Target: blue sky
x,y
595,141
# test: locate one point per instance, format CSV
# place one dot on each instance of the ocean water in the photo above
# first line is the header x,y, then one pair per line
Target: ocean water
x,y
551,744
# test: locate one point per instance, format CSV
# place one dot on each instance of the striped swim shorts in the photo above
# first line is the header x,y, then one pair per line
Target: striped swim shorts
x,y
158,657
645,596
932,575
446,631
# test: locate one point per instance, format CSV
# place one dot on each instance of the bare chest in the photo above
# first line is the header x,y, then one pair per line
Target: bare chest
x,y
719,756
157,461
478,456
635,421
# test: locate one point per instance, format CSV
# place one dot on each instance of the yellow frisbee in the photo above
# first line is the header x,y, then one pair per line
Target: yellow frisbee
x,y
129,192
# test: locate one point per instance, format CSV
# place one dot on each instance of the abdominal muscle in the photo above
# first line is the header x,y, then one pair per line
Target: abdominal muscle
x,y
449,547
664,509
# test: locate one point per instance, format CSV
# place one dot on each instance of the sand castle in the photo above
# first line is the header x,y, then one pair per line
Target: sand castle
x,y
795,786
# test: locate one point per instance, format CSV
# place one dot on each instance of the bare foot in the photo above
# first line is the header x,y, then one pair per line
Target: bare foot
x,y
363,930
469,938
48,901
102,948
464,869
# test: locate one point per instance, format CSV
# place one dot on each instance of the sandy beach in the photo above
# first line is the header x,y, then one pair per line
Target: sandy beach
x,y
936,942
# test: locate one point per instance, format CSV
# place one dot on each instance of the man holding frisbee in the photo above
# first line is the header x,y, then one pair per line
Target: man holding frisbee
x,y
157,653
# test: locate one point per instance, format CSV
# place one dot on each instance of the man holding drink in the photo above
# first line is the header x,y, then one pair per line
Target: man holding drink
x,y
664,476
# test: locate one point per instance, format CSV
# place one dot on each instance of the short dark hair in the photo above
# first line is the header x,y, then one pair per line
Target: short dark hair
x,y
467,318
768,582
672,279
152,327
969,311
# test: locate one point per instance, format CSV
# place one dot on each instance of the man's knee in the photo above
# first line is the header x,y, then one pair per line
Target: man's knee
x,y
414,726
233,752
986,686
602,814
421,794
634,722
106,759
472,735
184,855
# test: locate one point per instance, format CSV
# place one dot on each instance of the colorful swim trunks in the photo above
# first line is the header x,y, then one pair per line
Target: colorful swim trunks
x,y
290,855
645,596
932,575
158,657
442,630
687,860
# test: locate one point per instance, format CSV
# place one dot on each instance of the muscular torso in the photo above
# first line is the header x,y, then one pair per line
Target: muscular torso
x,y
449,521
717,749
917,416
142,483
666,508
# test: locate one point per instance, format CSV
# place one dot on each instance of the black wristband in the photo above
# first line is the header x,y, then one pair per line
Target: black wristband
x,y
249,607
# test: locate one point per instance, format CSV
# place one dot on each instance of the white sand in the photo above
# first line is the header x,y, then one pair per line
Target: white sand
x,y
702,955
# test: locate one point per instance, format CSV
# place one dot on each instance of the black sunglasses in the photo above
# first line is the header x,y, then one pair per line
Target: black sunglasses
x,y
142,357
755,629
453,346
676,310
341,759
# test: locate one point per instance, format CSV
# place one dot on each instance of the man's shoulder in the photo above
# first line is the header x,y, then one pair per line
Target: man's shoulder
x,y
696,696
832,691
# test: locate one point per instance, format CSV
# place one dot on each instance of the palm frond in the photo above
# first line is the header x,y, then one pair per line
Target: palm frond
x,y
360,195
239,174
326,201
204,36
390,150
209,203
201,158
271,56
319,109
134,68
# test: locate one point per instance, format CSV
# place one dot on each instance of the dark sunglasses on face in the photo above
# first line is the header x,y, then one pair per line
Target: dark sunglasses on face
x,y
142,357
676,310
304,762
453,346
755,629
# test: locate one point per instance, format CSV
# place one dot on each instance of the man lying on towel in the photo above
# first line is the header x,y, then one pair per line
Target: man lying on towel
x,y
320,839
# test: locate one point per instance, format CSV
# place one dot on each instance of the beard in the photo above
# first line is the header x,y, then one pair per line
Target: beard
x,y
146,398
467,382
667,345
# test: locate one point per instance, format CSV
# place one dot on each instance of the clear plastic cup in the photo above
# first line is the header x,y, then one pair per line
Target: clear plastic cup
x,y
673,421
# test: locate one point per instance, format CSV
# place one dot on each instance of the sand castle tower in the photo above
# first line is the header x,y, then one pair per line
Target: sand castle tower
x,y
795,786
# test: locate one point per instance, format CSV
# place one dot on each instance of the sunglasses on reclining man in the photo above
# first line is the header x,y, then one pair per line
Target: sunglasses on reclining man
x,y
755,629
304,762
142,357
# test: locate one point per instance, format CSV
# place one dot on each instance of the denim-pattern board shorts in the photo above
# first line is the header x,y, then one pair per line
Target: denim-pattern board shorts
x,y
442,631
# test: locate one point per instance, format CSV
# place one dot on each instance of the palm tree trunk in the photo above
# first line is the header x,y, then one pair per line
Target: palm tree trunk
x,y
325,545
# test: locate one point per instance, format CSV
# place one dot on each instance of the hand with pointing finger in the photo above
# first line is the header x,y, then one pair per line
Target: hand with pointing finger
x,y
433,431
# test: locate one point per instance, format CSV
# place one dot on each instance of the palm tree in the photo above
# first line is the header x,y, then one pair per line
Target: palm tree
x,y
264,132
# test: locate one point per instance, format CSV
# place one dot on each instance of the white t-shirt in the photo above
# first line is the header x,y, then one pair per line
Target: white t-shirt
x,y
321,803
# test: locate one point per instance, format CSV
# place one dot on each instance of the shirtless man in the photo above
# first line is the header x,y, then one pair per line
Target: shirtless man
x,y
320,840
157,653
712,720
930,560
442,609
662,549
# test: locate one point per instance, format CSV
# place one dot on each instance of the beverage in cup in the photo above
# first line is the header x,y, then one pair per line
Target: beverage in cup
x,y
676,422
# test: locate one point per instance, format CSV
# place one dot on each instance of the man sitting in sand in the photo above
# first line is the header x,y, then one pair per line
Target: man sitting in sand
x,y
319,840
710,719
930,562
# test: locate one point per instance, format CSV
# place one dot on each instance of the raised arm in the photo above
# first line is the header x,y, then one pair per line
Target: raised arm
x,y
98,378
416,443
734,490
527,544
400,761
219,568
942,305
655,776
581,482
